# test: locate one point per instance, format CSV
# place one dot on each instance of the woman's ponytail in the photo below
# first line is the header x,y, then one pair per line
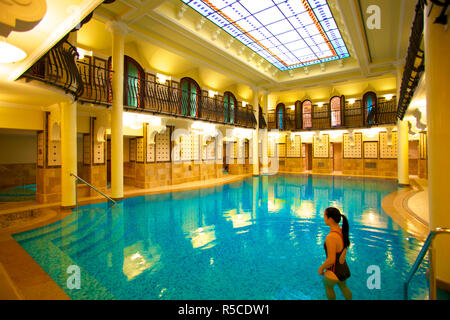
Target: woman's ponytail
x,y
345,231
336,215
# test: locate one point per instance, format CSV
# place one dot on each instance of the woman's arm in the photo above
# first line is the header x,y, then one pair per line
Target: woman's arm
x,y
331,254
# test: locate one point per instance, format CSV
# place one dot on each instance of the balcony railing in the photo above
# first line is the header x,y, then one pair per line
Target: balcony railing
x,y
322,119
57,67
151,96
415,61
96,82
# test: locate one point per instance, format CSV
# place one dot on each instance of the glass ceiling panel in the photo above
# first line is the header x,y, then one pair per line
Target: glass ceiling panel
x,y
287,33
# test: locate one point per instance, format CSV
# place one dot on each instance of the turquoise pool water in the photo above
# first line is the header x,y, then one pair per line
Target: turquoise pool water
x,y
260,238
18,193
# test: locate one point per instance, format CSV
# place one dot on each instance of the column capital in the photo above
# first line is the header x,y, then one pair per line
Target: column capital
x,y
117,27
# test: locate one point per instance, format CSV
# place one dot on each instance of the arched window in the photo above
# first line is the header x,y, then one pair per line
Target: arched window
x,y
335,106
229,107
307,114
190,97
281,116
298,114
370,105
133,84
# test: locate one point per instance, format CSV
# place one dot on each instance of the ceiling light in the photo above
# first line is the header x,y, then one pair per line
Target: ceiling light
x,y
10,53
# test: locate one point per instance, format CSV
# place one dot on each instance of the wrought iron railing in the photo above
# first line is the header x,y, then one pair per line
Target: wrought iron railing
x,y
57,67
321,118
151,96
96,82
414,66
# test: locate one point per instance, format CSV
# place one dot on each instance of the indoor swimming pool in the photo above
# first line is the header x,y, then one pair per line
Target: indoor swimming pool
x,y
260,238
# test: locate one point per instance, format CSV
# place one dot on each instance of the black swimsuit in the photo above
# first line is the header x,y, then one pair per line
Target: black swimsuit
x,y
341,271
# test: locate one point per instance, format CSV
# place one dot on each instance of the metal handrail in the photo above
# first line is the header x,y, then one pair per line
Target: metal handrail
x,y
422,253
95,189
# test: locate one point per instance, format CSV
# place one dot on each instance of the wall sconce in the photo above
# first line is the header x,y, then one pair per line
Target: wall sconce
x,y
162,78
320,104
211,93
351,101
388,97
83,53
10,53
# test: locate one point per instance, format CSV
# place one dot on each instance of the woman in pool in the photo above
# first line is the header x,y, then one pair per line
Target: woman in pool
x,y
335,269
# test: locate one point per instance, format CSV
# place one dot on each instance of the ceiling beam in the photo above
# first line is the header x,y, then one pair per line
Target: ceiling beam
x,y
361,38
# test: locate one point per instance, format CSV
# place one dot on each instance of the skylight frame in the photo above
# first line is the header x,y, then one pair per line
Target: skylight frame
x,y
317,42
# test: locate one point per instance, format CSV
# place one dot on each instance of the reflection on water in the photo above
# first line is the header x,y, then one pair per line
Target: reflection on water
x,y
261,238
137,259
202,236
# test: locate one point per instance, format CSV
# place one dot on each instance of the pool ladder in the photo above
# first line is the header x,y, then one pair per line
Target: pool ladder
x,y
428,242
93,188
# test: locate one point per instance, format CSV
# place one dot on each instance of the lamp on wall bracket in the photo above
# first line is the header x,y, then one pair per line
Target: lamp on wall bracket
x,y
10,53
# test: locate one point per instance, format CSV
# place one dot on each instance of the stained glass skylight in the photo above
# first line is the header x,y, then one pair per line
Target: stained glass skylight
x,y
287,33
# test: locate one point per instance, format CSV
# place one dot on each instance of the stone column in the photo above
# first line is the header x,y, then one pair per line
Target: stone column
x,y
437,47
255,140
118,31
68,153
265,136
402,152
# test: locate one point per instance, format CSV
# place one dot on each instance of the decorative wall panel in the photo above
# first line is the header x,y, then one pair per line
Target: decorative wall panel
x,y
99,152
388,151
240,146
281,150
195,138
140,150
162,146
371,150
186,147
352,150
54,153
321,147
219,149
150,153
211,149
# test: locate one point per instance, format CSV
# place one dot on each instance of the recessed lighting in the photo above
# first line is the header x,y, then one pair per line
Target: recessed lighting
x,y
10,53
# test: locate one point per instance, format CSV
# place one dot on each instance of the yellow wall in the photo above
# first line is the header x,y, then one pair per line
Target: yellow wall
x,y
25,119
